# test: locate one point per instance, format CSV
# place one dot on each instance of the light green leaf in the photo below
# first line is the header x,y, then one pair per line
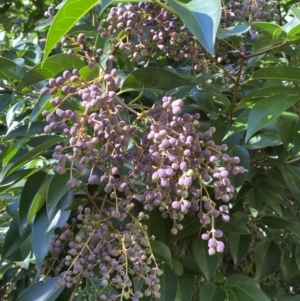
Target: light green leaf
x,y
267,259
224,33
267,110
69,14
202,18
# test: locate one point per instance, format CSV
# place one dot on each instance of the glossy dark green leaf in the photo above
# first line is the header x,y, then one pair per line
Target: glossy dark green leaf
x,y
153,78
297,255
184,289
41,105
51,67
32,198
239,246
23,130
6,63
267,259
286,125
267,110
161,251
246,292
235,225
42,290
263,140
64,21
177,267
254,201
61,212
201,18
57,188
251,98
190,266
40,238
5,100
277,73
240,124
291,174
243,154
288,264
168,284
275,222
190,225
239,279
207,264
211,292
23,156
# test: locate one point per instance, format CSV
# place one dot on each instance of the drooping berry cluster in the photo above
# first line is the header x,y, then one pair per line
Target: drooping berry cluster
x,y
181,169
92,246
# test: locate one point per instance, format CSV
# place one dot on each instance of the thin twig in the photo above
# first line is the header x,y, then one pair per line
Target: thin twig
x,y
293,161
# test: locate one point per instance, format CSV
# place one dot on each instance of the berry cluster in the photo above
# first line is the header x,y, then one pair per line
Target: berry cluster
x,y
92,246
182,170
145,31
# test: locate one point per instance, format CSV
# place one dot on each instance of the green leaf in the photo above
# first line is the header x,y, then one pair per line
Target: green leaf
x,y
291,176
251,98
161,251
6,63
51,67
235,225
277,73
267,110
254,201
23,130
201,18
286,125
267,259
224,33
40,238
262,141
153,78
239,279
288,264
210,292
273,30
70,13
297,255
207,264
238,180
240,124
177,267
23,156
190,225
246,292
168,284
275,222
239,246
184,289
32,199
42,290
41,105
5,100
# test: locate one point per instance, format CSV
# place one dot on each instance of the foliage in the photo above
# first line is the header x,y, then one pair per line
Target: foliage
x,y
149,151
